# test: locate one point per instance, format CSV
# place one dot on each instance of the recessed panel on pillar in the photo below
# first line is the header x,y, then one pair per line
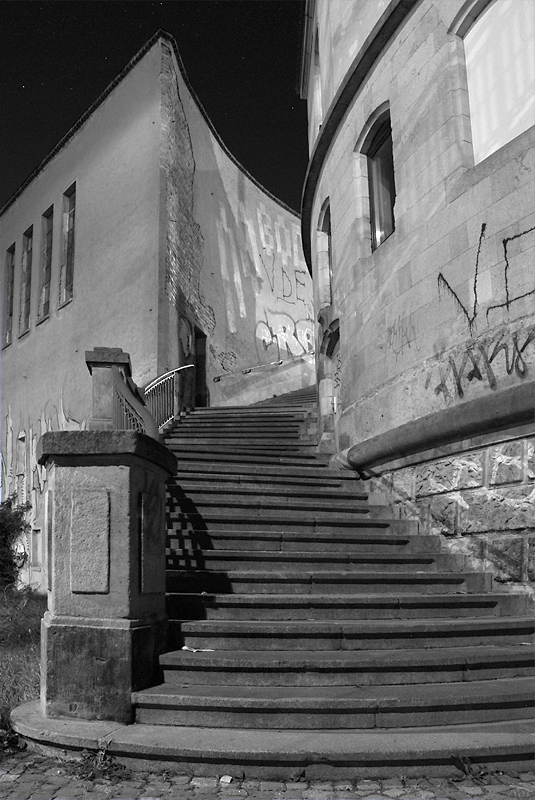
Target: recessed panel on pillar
x,y
90,541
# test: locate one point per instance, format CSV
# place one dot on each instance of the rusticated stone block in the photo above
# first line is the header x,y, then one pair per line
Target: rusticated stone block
x,y
506,554
403,483
531,557
530,444
506,463
439,514
461,472
498,509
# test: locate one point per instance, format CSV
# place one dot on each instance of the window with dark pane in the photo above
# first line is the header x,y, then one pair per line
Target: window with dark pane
x,y
46,265
381,184
67,264
7,329
26,281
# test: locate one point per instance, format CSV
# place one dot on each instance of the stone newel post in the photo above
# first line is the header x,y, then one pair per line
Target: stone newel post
x,y
105,624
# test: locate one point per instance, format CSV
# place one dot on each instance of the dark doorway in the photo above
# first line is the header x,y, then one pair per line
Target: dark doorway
x,y
202,396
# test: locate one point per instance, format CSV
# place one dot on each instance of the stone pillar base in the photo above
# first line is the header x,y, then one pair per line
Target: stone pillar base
x,y
90,667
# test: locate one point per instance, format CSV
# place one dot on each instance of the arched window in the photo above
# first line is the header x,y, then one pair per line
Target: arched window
x,y
382,187
500,68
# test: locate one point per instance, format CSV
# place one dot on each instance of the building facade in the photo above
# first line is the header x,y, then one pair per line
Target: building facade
x,y
419,229
141,231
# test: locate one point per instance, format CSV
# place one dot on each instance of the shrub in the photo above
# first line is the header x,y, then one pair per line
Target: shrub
x,y
12,526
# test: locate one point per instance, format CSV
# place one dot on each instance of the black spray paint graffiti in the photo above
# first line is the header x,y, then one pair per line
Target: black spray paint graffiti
x,y
292,289
476,362
401,335
279,336
471,315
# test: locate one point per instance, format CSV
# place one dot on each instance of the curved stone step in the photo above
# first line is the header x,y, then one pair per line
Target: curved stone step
x,y
378,634
311,754
346,668
332,607
338,707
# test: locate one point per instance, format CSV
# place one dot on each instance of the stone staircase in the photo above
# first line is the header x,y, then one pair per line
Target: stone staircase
x,y
310,633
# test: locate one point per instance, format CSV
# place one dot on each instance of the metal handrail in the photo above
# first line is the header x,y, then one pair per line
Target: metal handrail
x,y
247,370
163,396
129,411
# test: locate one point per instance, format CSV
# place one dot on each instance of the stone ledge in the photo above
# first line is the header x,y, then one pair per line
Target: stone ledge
x,y
93,446
491,412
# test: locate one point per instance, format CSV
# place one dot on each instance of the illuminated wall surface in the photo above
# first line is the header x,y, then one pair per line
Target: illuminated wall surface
x,y
441,313
177,249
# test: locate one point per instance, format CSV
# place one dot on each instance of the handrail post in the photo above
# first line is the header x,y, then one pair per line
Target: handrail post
x,y
99,362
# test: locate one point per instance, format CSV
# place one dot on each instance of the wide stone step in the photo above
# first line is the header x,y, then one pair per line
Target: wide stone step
x,y
269,429
357,635
313,560
238,444
269,519
222,454
191,606
325,582
336,708
255,502
379,539
318,472
346,668
216,487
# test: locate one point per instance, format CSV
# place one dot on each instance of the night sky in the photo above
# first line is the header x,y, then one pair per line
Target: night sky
x,y
241,56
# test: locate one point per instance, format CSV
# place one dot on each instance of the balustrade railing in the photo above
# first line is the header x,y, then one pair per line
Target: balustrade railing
x,y
129,411
164,395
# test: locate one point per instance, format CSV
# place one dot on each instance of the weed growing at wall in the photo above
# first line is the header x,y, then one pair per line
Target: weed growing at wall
x,y
12,527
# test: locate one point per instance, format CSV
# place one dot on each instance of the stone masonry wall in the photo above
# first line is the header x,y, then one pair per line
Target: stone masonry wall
x,y
483,501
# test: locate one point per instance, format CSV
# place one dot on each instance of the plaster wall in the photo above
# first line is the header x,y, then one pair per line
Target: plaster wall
x,y
113,158
443,311
234,267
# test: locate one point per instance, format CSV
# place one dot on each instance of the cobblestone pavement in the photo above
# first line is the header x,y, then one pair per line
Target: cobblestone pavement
x,y
30,776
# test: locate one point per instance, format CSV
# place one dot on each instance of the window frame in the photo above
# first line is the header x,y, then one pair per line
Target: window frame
x,y
381,181
26,281
9,297
47,232
66,278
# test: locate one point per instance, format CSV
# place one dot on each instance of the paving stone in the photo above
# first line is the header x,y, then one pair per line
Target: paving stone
x,y
393,792
180,780
250,785
393,783
204,783
272,786
343,787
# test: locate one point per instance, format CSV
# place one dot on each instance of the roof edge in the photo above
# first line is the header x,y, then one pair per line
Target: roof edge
x,y
159,34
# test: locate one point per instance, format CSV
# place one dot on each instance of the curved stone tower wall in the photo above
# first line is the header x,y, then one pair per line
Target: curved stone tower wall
x,y
441,314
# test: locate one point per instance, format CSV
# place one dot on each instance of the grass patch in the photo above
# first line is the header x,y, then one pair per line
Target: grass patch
x,y
20,649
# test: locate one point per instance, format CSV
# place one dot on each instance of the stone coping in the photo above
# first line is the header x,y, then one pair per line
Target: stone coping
x,y
277,754
511,407
94,446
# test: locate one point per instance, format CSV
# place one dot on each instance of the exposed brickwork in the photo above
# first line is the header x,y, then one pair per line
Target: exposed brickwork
x,y
185,244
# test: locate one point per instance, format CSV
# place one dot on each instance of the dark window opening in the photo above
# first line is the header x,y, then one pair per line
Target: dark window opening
x,y
381,184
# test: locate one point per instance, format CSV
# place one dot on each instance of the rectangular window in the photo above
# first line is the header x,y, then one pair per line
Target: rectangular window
x,y
7,331
46,264
26,281
67,261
